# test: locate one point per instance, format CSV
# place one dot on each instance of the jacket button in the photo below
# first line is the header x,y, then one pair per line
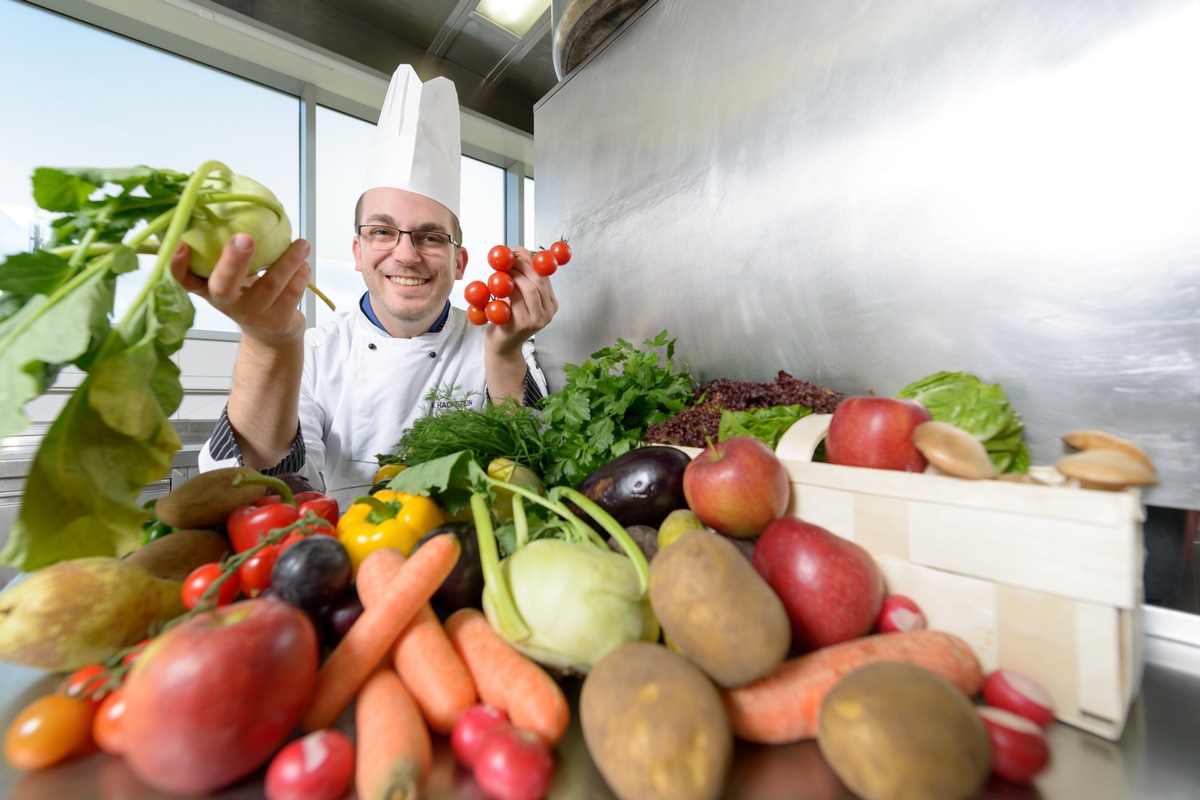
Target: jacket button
x,y
371,346
433,355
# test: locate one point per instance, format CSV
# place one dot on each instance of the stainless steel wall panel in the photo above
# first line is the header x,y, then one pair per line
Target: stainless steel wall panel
x,y
863,193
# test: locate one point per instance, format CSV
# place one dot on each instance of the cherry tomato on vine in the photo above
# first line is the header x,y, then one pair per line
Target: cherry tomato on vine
x,y
135,652
561,251
501,258
477,294
321,529
324,507
498,312
500,284
246,526
204,576
476,315
544,263
48,730
87,682
106,726
255,572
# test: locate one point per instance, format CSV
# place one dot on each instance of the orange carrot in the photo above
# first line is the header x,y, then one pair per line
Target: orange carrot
x,y
784,705
393,749
368,639
423,656
507,679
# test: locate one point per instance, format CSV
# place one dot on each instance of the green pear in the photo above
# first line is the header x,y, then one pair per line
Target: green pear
x,y
82,611
676,524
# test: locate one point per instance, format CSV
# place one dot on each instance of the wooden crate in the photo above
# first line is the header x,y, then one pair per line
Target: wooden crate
x,y
1045,580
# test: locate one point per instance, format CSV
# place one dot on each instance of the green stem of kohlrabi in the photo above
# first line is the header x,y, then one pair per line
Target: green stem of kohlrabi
x,y
180,218
614,529
584,530
520,521
510,624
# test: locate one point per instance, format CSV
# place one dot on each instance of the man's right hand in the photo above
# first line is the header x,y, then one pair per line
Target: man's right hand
x,y
265,306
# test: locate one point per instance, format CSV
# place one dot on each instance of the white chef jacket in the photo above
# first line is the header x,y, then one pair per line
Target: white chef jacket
x,y
362,388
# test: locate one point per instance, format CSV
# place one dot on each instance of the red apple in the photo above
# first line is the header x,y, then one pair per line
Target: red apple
x,y
831,587
1019,749
737,486
876,432
212,699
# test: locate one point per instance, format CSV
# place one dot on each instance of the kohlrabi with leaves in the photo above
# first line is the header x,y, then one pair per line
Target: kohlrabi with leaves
x,y
561,596
113,435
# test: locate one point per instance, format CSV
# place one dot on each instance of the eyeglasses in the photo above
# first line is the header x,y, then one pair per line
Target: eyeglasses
x,y
385,237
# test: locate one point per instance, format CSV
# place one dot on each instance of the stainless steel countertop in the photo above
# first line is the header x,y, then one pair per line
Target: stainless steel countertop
x,y
1157,758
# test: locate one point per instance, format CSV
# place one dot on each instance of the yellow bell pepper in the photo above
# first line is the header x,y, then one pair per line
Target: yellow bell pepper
x,y
386,519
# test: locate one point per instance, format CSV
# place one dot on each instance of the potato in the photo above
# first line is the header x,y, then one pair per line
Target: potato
x,y
717,610
206,500
175,555
896,731
655,725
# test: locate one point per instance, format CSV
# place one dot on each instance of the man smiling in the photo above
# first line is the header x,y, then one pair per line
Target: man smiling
x,y
324,402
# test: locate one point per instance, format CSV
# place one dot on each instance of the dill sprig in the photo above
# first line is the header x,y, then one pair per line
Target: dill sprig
x,y
505,429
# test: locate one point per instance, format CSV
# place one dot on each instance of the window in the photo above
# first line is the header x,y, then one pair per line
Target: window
x,y
98,100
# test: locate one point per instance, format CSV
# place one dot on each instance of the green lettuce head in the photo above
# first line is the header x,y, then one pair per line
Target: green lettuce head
x,y
984,411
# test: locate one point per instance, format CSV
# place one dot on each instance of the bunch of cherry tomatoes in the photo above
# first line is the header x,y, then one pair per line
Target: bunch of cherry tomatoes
x,y
486,301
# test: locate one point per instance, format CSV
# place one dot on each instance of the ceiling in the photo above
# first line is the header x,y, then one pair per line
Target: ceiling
x,y
498,74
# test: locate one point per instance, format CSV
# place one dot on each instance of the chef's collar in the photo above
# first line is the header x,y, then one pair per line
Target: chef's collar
x,y
436,327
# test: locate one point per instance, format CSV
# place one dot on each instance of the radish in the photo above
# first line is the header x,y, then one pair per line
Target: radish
x,y
470,729
900,613
1014,692
1019,749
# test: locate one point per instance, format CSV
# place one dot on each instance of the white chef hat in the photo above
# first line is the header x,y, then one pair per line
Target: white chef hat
x,y
418,147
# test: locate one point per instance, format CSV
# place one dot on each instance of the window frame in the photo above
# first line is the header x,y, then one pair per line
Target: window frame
x,y
223,40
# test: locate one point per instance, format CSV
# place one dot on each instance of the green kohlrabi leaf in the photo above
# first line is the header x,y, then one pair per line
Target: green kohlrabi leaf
x,y
37,336
39,272
453,478
79,495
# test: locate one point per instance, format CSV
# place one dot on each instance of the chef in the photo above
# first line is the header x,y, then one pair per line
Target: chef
x,y
324,402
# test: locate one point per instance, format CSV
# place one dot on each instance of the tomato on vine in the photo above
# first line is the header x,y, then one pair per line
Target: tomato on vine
x,y
477,294
107,724
201,578
498,312
501,258
561,251
476,315
88,682
544,263
500,284
254,573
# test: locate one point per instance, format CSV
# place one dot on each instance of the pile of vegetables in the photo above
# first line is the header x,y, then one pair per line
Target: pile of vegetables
x,y
602,411
113,436
561,596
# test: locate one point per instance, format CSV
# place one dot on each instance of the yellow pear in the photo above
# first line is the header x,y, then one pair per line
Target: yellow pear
x,y
82,611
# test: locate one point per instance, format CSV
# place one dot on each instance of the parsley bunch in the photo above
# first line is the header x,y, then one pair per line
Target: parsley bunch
x,y
607,403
